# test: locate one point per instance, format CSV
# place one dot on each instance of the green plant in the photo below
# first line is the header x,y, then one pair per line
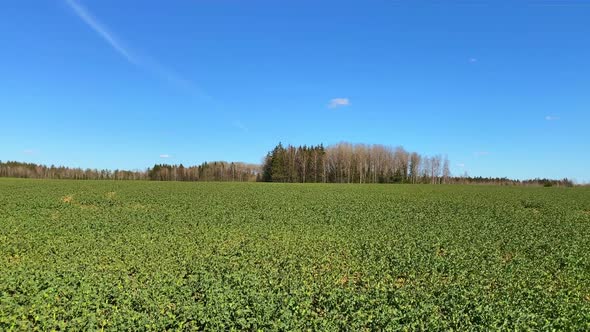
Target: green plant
x,y
255,256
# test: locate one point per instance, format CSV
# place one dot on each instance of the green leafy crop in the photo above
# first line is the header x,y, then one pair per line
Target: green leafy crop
x,y
93,255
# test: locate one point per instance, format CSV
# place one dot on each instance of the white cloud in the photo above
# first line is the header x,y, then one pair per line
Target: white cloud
x,y
339,102
164,156
551,118
240,125
28,151
481,153
472,60
461,165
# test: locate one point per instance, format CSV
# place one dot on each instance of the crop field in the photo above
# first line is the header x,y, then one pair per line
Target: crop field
x,y
259,256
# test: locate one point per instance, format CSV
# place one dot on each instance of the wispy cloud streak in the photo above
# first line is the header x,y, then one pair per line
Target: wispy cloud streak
x,y
139,60
148,63
101,30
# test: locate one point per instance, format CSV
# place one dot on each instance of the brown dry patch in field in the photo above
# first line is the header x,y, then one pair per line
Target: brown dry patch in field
x,y
55,215
137,207
14,259
586,212
87,206
353,278
67,199
400,282
587,298
445,280
343,280
507,257
441,252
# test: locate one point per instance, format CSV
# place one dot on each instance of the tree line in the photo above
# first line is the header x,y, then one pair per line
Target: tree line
x,y
207,171
34,171
362,163
212,171
544,182
339,163
353,163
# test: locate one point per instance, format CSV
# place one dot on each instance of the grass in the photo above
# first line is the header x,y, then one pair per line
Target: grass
x,y
248,256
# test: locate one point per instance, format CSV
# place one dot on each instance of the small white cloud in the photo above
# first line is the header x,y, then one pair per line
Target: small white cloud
x,y
551,118
461,165
472,60
164,156
29,151
339,102
481,153
240,125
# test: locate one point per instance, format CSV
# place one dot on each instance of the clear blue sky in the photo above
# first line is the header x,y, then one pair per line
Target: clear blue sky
x,y
501,87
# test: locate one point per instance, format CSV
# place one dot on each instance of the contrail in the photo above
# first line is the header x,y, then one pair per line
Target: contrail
x,y
140,61
85,16
149,63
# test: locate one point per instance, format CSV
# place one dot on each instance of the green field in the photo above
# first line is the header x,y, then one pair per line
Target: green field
x,y
248,256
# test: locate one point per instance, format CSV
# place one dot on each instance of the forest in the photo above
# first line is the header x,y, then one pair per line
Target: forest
x,y
353,163
339,163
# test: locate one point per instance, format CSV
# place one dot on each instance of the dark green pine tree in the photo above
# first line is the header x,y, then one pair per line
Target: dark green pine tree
x,y
278,171
267,168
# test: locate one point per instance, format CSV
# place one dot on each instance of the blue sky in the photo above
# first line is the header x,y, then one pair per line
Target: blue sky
x,y
501,87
